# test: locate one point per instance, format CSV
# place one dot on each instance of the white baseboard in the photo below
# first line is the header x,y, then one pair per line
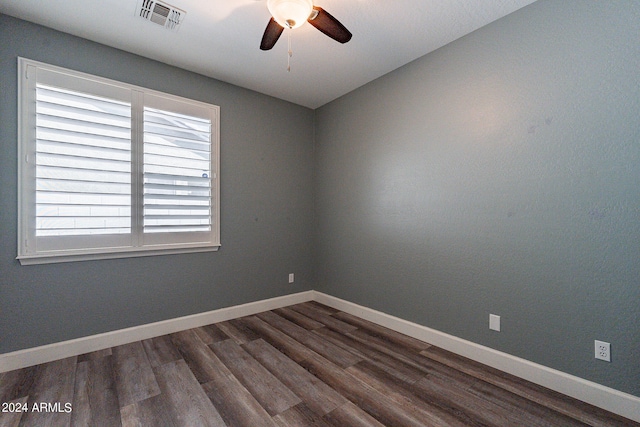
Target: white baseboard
x,y
612,400
60,350
607,398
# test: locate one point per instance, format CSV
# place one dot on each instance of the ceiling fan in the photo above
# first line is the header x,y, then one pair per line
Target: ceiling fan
x,y
293,13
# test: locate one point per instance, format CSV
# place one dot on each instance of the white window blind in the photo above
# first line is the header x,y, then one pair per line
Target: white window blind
x,y
83,164
112,170
177,170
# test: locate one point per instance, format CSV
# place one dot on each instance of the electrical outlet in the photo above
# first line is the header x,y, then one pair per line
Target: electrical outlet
x,y
291,278
603,351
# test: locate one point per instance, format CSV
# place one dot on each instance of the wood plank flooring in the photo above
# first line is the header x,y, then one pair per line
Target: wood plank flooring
x,y
304,365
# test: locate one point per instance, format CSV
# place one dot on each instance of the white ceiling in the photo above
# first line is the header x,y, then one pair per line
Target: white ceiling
x,y
221,38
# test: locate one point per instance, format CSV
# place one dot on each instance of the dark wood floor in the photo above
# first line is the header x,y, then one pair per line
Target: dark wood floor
x,y
306,365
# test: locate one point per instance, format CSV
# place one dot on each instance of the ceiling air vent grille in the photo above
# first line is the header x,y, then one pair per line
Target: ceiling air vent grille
x,y
161,13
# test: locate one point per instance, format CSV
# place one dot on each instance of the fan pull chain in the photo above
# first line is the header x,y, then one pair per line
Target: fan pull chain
x,y
289,51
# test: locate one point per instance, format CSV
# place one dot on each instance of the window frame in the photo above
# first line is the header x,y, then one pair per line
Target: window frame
x,y
31,73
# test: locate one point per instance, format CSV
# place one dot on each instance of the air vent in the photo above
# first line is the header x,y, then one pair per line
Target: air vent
x,y
161,13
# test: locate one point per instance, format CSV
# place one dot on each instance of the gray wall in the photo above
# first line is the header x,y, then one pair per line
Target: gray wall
x,y
499,174
266,216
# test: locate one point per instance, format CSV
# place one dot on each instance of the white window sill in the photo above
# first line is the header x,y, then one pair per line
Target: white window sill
x,y
62,256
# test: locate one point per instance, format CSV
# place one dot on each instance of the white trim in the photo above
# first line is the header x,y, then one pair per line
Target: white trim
x,y
612,400
123,253
47,353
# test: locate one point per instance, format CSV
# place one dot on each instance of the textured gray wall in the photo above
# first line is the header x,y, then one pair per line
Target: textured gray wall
x,y
266,211
499,174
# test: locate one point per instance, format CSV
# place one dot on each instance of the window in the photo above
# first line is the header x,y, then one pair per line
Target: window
x,y
110,170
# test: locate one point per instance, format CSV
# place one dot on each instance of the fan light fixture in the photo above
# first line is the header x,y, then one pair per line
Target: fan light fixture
x,y
290,13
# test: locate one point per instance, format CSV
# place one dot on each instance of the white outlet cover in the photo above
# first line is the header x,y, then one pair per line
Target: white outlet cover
x,y
494,322
291,278
603,351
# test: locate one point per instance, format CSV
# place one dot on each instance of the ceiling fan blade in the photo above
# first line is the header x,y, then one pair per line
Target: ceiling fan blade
x,y
329,25
271,34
